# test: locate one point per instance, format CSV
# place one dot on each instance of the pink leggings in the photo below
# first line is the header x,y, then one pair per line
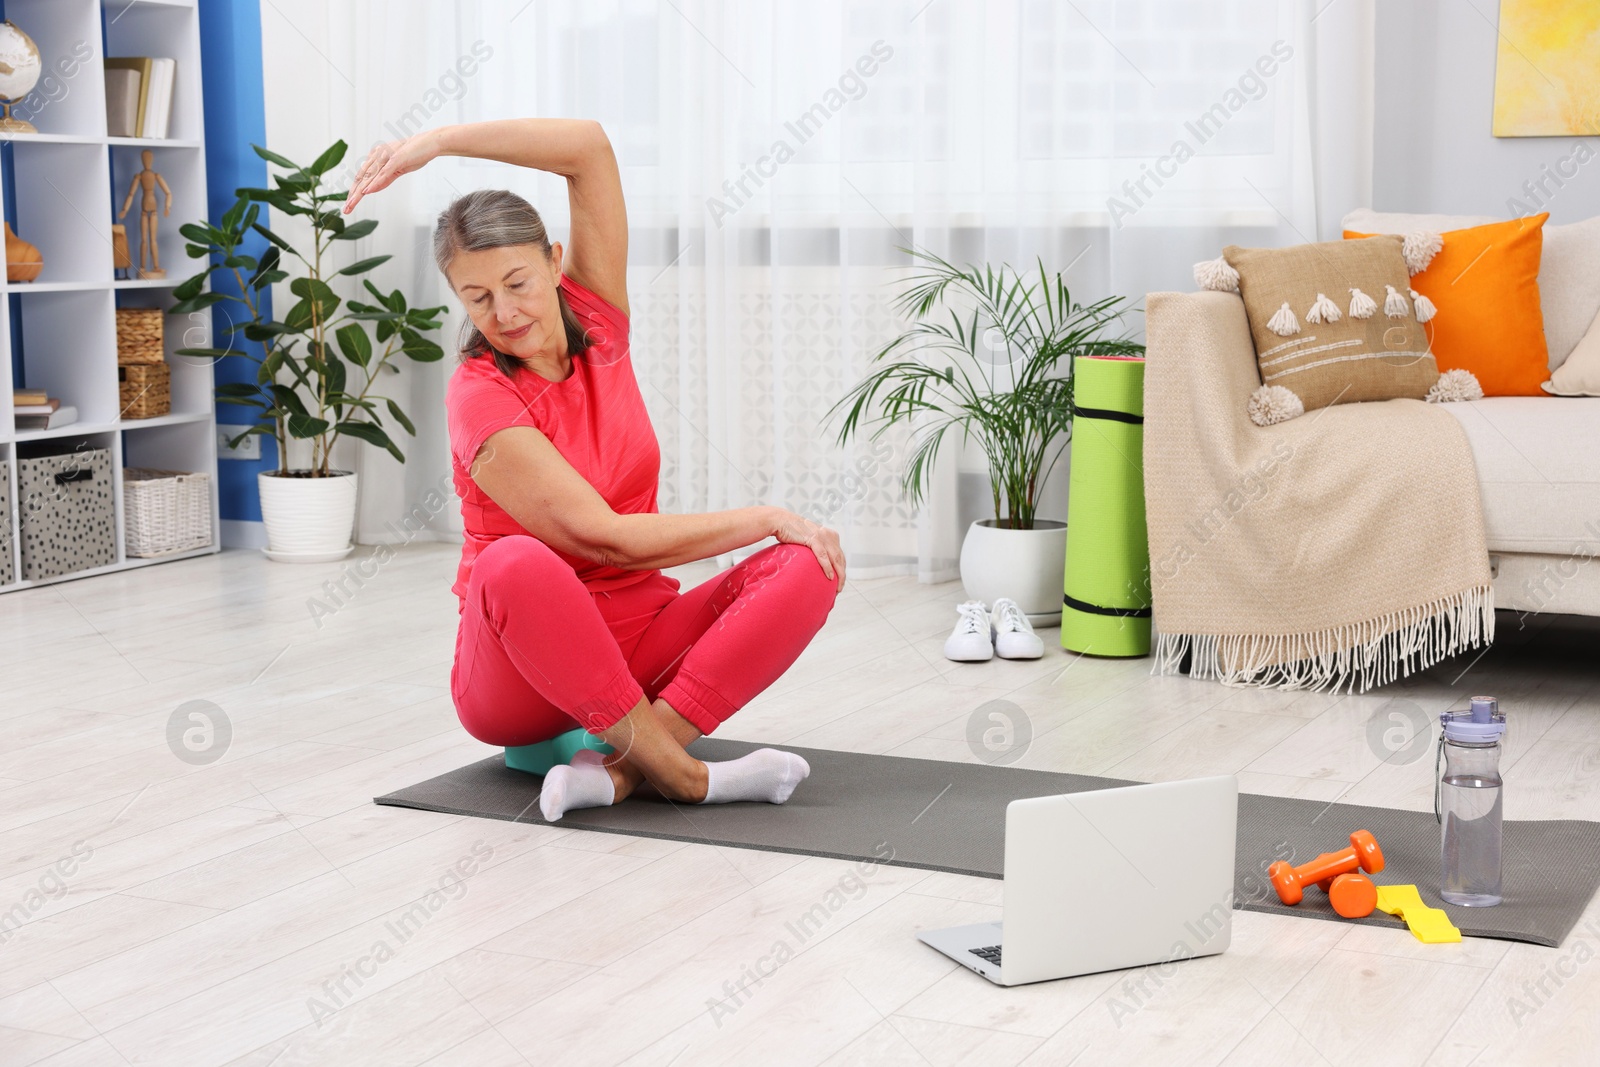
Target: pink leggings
x,y
538,654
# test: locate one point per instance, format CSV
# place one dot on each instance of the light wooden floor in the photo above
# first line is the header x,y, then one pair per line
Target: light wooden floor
x,y
250,911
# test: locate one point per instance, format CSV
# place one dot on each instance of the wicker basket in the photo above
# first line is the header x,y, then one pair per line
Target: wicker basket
x,y
146,390
165,511
139,335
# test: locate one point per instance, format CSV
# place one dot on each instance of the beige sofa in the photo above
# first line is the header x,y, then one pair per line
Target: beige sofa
x,y
1538,465
1538,458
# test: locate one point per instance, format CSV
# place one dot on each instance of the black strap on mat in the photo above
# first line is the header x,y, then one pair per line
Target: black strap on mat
x,y
1107,413
1096,609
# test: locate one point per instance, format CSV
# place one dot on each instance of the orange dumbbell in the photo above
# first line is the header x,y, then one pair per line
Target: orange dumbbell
x,y
1327,871
1353,896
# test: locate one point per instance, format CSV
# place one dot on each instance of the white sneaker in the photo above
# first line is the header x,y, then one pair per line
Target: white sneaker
x,y
972,640
1014,637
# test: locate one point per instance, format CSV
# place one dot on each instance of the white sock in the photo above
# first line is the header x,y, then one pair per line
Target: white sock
x,y
583,783
765,774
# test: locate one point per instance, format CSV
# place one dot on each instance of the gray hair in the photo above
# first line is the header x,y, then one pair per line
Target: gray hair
x,y
496,218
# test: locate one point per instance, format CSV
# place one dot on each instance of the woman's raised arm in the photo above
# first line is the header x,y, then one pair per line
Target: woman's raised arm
x,y
577,149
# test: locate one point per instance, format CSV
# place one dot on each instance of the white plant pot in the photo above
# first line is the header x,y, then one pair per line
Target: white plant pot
x,y
1028,566
308,520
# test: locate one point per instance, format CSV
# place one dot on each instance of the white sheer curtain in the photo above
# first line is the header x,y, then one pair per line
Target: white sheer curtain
x,y
776,156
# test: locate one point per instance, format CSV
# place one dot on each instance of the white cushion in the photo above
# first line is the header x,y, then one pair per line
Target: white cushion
x,y
1569,268
1570,273
1580,374
1538,462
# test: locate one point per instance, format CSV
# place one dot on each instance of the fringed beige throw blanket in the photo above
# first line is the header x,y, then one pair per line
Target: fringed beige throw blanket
x,y
1339,550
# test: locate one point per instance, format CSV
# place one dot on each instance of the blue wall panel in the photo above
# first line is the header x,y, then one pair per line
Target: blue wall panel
x,y
230,44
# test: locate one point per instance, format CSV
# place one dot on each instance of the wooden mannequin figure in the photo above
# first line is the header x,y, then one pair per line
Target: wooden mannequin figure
x,y
147,180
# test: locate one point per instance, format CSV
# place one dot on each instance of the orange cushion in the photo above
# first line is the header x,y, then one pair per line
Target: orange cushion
x,y
1485,284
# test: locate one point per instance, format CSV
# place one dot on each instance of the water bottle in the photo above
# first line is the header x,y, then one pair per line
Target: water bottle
x,y
1468,804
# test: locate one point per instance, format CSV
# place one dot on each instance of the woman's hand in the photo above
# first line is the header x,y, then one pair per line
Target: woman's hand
x,y
792,529
388,161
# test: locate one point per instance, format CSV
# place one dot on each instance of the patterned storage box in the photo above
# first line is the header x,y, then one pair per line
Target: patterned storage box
x,y
68,515
7,575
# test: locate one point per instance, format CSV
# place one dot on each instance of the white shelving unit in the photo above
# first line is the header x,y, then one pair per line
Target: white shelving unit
x,y
69,180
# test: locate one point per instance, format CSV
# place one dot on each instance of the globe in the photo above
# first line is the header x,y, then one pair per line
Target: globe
x,y
19,72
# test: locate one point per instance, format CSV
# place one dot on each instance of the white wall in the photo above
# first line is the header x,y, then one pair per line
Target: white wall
x,y
1435,99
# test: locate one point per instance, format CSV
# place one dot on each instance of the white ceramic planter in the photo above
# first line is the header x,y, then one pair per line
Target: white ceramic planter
x,y
308,520
1026,565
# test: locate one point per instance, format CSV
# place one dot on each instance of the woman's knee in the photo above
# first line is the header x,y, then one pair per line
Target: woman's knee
x,y
799,565
519,554
506,725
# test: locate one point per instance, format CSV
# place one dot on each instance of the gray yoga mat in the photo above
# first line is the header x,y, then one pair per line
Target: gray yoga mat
x,y
943,816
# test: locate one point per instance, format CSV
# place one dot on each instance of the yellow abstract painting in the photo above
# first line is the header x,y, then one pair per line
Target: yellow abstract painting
x,y
1547,73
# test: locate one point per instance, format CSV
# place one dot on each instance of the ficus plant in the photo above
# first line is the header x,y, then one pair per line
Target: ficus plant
x,y
317,366
1001,373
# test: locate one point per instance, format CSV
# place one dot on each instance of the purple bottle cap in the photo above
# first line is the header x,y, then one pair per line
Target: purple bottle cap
x,y
1482,723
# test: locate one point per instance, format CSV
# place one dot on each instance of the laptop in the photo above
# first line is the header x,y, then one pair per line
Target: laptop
x,y
1108,879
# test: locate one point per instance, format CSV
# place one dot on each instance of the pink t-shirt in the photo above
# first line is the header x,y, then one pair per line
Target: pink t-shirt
x,y
596,418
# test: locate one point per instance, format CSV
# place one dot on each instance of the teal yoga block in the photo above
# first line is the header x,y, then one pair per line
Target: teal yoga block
x,y
538,759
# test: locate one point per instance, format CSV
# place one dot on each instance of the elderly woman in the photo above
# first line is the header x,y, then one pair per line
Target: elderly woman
x,y
565,617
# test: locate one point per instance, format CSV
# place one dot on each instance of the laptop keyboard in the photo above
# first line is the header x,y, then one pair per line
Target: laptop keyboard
x,y
991,954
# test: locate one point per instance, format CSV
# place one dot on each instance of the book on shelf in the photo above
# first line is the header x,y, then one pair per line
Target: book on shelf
x,y
29,396
64,415
139,95
158,105
45,408
122,100
138,87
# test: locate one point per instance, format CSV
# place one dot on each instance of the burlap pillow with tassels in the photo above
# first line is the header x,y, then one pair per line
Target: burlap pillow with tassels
x,y
1336,323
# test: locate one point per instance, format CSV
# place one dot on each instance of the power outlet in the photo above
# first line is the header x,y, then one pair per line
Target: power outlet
x,y
249,448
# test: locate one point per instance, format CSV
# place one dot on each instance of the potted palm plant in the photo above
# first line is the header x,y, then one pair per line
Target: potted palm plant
x,y
999,371
316,368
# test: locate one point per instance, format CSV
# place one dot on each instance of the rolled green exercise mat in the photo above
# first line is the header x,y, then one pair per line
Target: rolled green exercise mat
x,y
539,758
1106,606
